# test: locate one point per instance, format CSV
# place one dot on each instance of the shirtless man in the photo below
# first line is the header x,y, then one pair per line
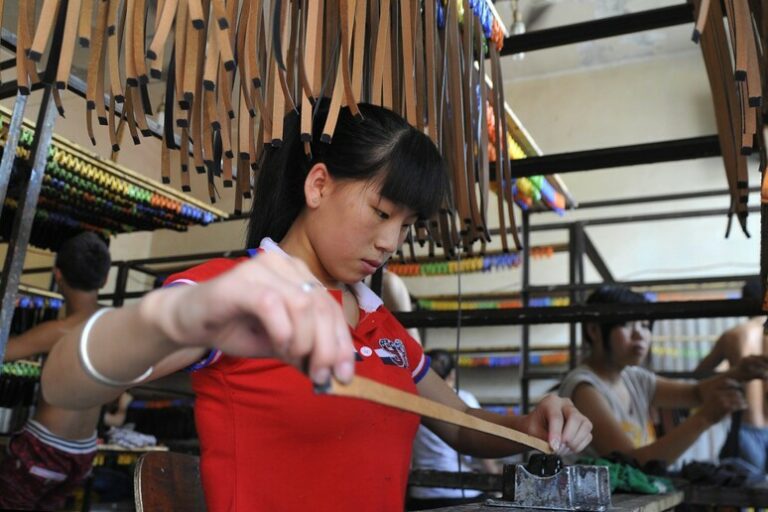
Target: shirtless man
x,y
54,451
733,345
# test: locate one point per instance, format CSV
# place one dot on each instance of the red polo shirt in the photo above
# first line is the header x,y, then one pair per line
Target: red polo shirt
x,y
268,442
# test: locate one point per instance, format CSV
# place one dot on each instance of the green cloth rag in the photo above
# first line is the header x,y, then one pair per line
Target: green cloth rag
x,y
626,478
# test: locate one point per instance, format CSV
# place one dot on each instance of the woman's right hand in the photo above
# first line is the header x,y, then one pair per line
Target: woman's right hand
x,y
722,398
269,306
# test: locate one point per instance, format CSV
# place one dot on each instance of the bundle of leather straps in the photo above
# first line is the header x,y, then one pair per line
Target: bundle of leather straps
x,y
736,62
234,68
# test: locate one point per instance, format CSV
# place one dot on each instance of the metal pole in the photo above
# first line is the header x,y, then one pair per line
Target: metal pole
x,y
25,216
121,283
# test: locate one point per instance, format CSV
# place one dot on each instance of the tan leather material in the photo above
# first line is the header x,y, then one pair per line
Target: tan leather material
x,y
139,37
346,16
23,41
498,111
409,68
367,389
96,60
358,46
382,53
309,61
112,124
83,23
131,77
68,43
742,31
430,70
165,164
184,157
129,115
48,15
113,53
420,78
702,15
196,16
163,26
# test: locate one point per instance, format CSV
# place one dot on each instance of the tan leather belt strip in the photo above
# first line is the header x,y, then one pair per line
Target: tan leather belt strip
x,y
96,68
139,17
308,62
409,68
48,14
113,53
163,26
68,44
430,37
23,42
380,52
196,16
131,76
359,48
367,389
84,23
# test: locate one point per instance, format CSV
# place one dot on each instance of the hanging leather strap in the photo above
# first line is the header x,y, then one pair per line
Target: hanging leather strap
x,y
359,49
112,124
129,115
196,15
409,68
68,44
476,228
242,61
430,36
131,76
113,52
742,30
701,19
308,30
498,111
421,86
165,18
346,20
84,23
504,155
139,37
381,56
222,33
48,15
96,64
184,160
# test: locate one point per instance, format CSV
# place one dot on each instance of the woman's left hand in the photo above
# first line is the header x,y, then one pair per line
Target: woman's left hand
x,y
559,422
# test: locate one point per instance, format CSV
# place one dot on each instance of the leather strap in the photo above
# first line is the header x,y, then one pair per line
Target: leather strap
x,y
242,61
196,16
503,157
131,76
84,23
165,164
48,15
139,38
420,72
366,389
409,68
23,41
96,65
184,159
359,49
68,44
476,229
113,53
112,125
431,67
742,30
346,16
164,22
498,111
382,54
307,63
129,115
701,19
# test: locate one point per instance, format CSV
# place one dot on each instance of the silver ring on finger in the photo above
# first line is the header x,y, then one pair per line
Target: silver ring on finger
x,y
309,286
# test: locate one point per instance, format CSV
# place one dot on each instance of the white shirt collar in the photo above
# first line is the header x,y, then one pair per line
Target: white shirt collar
x,y
366,299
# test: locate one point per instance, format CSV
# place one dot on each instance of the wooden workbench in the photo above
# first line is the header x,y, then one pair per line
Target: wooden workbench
x,y
621,503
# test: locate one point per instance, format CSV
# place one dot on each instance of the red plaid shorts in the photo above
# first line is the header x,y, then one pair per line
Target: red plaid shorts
x,y
42,469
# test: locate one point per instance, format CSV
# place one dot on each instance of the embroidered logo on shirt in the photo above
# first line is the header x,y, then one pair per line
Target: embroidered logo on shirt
x,y
392,352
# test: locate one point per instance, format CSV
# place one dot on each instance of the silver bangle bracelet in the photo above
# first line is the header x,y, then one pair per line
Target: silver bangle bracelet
x,y
85,360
